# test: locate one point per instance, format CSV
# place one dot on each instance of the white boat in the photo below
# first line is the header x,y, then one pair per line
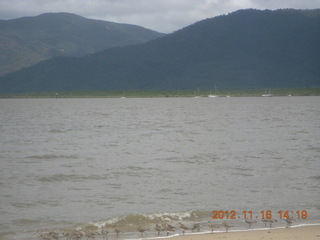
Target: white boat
x,y
267,94
196,96
215,93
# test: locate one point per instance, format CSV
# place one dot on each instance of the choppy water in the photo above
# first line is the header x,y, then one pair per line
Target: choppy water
x,y
69,163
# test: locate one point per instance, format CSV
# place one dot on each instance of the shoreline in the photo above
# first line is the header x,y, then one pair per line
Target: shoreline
x,y
305,232
164,93
144,97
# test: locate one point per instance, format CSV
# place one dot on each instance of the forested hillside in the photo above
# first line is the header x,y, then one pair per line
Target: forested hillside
x,y
242,50
29,40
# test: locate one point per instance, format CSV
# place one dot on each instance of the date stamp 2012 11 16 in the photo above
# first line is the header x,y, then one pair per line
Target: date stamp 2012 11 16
x,y
264,214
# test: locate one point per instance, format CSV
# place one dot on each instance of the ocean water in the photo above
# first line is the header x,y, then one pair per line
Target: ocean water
x,y
120,163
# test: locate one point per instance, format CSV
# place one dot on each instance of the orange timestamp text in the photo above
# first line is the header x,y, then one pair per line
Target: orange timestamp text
x,y
264,214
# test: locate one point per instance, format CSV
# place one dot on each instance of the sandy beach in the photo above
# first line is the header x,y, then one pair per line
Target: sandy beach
x,y
303,233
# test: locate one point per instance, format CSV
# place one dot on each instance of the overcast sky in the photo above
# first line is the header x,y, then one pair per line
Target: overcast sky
x,y
160,15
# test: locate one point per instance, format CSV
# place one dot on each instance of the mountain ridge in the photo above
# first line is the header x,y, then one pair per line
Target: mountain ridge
x,y
28,40
244,49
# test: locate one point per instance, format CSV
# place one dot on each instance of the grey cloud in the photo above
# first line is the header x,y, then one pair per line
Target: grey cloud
x,y
160,15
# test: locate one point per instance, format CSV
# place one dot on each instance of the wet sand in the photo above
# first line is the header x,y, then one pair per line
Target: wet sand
x,y
296,233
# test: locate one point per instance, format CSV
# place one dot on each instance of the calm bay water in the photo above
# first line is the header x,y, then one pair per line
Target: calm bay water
x,y
67,163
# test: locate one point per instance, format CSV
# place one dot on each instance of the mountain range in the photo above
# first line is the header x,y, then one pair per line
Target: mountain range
x,y
242,50
29,40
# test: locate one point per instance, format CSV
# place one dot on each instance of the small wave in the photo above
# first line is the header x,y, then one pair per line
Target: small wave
x,y
165,190
59,177
71,177
181,193
315,178
243,174
316,149
197,159
242,169
132,221
48,203
57,131
253,157
50,157
133,171
22,204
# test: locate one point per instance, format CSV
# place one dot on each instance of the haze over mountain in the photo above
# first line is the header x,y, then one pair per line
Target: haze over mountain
x,y
244,49
29,40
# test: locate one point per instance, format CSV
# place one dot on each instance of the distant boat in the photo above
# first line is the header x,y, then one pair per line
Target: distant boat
x,y
215,93
267,94
196,96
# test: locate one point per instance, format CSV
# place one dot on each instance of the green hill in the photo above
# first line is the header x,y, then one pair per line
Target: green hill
x,y
29,40
245,49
